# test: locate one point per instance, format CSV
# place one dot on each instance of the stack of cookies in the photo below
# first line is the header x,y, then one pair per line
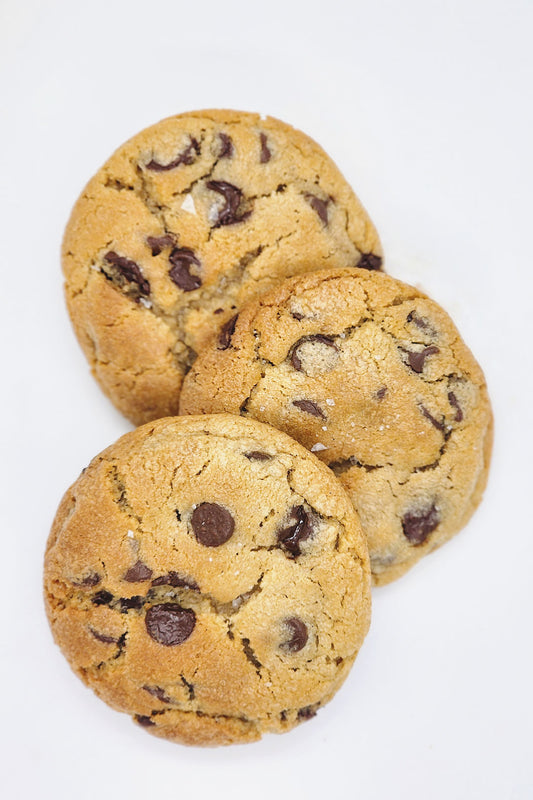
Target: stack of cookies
x,y
309,425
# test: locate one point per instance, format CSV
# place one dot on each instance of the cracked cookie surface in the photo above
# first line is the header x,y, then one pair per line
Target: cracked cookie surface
x,y
372,376
210,577
185,222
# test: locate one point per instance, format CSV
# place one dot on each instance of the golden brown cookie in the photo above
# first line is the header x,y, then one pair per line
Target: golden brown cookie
x,y
185,222
208,576
373,377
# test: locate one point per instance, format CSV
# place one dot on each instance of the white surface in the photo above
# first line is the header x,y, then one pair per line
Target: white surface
x,y
426,107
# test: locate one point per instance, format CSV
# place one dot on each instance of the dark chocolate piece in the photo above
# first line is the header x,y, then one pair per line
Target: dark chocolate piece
x,y
310,408
435,422
177,580
187,156
159,243
182,260
266,154
212,524
455,404
169,624
370,261
129,271
417,525
229,213
318,337
298,635
226,146
257,455
226,332
416,359
139,572
319,206
301,524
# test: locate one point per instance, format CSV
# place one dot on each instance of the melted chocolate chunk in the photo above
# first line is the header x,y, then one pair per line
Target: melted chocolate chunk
x,y
417,525
455,404
129,271
319,206
157,691
126,603
380,394
257,455
266,155
212,524
318,337
170,624
310,408
187,157
307,713
92,579
301,524
226,146
298,635
103,638
370,261
175,579
139,572
102,598
416,360
435,422
182,260
229,213
159,243
226,332
143,720
421,322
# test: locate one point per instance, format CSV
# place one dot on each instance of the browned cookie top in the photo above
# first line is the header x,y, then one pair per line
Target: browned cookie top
x,y
185,222
372,376
208,576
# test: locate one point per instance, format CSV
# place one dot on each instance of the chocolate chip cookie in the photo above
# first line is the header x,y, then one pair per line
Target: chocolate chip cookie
x,y
373,377
208,576
185,222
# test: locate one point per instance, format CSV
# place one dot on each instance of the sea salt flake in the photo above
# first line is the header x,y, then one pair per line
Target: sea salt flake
x,y
145,302
130,534
316,448
330,402
188,205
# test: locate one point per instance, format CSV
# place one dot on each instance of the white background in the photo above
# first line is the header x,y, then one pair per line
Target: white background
x,y
426,107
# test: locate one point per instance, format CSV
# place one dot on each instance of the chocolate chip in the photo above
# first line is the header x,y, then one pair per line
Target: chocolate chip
x,y
170,624
212,524
266,155
157,691
102,598
306,713
300,526
229,213
103,638
159,243
435,422
319,206
226,146
126,603
416,360
297,315
187,157
296,360
370,261
146,722
298,635
455,404
310,408
421,322
175,579
380,394
226,332
139,572
257,455
129,271
92,579
182,260
417,525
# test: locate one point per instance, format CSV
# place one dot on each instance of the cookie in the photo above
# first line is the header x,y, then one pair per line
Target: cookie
x,y
185,222
208,576
373,377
